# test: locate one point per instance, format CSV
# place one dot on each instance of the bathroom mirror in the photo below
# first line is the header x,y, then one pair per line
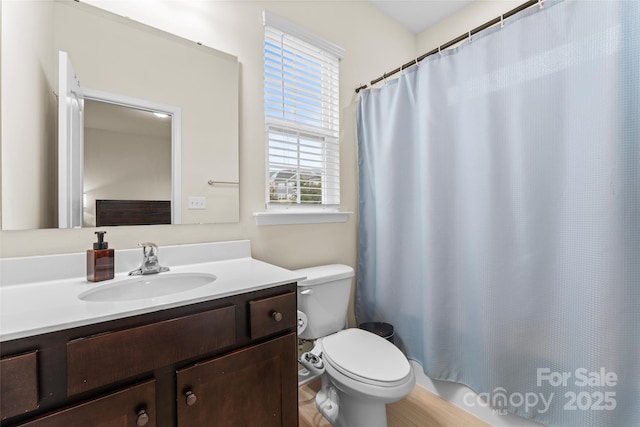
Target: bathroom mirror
x,y
112,54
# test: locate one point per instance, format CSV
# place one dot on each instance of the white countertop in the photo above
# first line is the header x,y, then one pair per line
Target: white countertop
x,y
42,306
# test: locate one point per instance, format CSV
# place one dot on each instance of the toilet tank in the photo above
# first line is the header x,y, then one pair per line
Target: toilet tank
x,y
324,298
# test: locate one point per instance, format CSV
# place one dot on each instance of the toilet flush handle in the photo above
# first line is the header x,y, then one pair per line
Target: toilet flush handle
x,y
306,292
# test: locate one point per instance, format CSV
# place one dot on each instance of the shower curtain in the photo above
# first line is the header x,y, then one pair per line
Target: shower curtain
x,y
499,232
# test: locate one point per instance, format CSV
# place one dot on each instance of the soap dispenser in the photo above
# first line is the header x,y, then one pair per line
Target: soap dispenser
x,y
100,259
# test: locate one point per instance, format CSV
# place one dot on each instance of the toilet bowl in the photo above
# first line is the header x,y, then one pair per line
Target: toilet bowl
x,y
364,373
361,372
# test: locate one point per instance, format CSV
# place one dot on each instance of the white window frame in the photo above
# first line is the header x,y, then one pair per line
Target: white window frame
x,y
326,134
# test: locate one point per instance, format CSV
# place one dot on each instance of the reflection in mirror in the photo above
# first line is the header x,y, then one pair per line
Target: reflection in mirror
x,y
115,55
122,124
127,153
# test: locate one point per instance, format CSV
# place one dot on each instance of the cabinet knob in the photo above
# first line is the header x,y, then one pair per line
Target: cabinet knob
x,y
191,398
142,419
276,315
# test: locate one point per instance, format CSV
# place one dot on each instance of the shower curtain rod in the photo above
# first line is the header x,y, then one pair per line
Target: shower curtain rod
x,y
457,40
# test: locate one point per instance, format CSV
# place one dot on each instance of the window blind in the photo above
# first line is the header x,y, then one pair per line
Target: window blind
x,y
302,121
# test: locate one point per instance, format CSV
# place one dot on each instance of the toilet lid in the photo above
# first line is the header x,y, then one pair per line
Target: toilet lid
x,y
365,356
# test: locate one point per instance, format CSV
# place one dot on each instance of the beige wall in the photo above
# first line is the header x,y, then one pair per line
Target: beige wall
x,y
29,162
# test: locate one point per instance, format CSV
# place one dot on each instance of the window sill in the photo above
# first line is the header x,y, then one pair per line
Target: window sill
x,y
293,218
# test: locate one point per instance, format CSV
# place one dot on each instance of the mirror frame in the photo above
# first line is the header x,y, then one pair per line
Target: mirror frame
x,y
176,142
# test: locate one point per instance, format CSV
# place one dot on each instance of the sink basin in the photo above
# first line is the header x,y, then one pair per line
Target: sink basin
x,y
149,286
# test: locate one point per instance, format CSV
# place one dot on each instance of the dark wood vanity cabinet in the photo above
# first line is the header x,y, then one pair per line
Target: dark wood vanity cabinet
x,y
225,362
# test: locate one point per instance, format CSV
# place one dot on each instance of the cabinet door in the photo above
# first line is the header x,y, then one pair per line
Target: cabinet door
x,y
131,407
255,386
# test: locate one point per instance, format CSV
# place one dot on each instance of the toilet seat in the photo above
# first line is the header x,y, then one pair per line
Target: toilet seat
x,y
366,357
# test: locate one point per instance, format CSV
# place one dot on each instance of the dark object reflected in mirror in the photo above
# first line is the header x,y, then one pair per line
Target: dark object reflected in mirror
x,y
132,212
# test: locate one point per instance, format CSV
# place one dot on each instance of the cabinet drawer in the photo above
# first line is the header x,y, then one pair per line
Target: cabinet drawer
x,y
131,407
271,315
18,384
106,358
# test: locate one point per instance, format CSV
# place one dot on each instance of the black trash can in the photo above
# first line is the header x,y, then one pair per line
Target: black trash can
x,y
385,330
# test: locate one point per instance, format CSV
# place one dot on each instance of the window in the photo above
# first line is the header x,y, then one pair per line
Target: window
x,y
302,117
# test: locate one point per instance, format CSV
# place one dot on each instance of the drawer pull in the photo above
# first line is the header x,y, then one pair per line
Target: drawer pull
x,y
191,398
143,418
276,315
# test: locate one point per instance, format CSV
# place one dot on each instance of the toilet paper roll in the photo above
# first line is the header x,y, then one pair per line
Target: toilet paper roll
x,y
302,322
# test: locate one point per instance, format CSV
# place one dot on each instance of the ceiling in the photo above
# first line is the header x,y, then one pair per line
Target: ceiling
x,y
119,118
418,15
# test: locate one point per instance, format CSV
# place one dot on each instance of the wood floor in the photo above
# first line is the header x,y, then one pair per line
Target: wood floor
x,y
420,408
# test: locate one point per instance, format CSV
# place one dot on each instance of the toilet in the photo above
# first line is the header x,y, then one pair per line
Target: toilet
x,y
361,372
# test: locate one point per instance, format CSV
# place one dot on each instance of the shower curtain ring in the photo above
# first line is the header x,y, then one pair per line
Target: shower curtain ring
x,y
440,50
541,4
469,37
501,21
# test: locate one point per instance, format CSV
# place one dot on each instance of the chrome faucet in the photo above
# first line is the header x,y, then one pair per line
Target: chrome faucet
x,y
150,264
